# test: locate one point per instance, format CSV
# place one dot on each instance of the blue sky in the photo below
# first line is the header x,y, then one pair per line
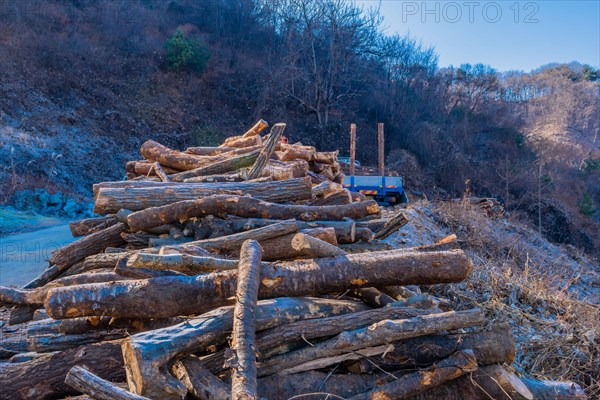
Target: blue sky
x,y
508,35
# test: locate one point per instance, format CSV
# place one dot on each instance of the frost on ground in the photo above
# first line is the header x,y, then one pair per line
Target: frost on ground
x,y
549,294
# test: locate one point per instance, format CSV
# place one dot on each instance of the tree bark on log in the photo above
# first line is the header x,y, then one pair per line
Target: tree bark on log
x,y
391,226
552,390
200,382
219,167
190,265
266,152
244,206
243,359
285,170
237,177
240,141
144,168
257,128
90,225
364,234
372,297
35,297
325,189
156,152
378,334
326,234
87,246
49,274
501,384
208,150
138,198
232,243
298,245
268,341
490,347
160,172
147,354
458,364
82,380
335,199
203,385
344,230
169,296
43,377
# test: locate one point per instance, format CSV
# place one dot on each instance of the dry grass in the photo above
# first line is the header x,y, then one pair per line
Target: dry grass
x,y
549,296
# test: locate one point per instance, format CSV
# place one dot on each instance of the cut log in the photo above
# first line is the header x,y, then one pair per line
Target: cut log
x,y
90,225
372,297
244,206
391,226
205,386
190,265
242,360
221,166
458,364
364,234
144,168
240,141
105,260
269,341
49,274
156,152
280,171
138,198
378,334
325,189
160,172
293,152
366,247
326,157
298,245
344,230
501,384
45,375
200,382
147,354
553,390
265,154
326,234
373,224
15,296
232,243
257,128
207,150
237,177
490,347
87,246
335,199
82,380
169,296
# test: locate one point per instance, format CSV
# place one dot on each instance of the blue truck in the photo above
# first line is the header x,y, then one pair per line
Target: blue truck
x,y
386,190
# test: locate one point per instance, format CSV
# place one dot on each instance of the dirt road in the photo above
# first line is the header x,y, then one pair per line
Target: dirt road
x,y
24,256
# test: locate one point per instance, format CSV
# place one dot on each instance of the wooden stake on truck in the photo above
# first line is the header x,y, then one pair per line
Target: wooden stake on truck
x,y
380,150
352,149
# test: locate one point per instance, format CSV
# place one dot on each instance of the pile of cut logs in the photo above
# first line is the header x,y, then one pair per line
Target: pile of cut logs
x,y
247,271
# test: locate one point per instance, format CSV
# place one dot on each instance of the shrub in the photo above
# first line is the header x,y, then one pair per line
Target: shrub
x,y
186,53
586,205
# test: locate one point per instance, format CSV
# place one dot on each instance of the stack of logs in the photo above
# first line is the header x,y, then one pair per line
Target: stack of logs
x,y
247,271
